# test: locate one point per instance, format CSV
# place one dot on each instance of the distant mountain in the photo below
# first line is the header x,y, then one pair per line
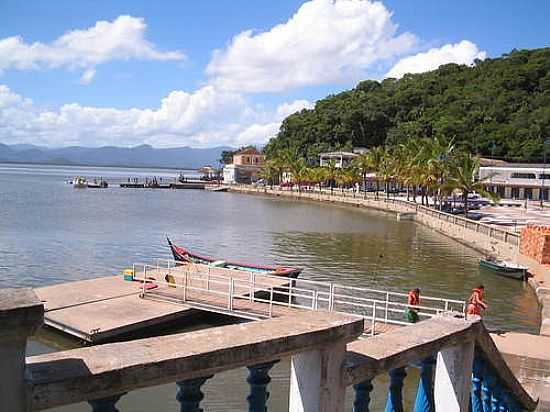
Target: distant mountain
x,y
139,156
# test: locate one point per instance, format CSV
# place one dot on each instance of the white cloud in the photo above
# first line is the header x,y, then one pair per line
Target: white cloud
x,y
87,76
464,52
325,41
206,117
122,38
261,132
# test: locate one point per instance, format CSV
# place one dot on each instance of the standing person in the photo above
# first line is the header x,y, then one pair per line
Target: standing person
x,y
475,302
413,299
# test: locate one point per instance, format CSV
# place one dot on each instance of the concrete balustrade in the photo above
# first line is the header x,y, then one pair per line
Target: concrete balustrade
x,y
326,358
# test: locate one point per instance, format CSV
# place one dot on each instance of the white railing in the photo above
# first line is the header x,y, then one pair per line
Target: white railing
x,y
226,290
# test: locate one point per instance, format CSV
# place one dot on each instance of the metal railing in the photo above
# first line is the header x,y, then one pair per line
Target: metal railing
x,y
259,296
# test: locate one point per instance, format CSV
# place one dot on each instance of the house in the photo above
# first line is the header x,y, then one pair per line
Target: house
x,y
248,157
517,181
340,159
245,167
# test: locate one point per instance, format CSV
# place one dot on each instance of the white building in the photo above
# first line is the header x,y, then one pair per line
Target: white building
x,y
517,181
340,159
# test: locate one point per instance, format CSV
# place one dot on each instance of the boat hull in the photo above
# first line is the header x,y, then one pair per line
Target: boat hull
x,y
509,272
183,255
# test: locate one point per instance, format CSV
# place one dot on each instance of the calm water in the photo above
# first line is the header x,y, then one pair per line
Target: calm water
x,y
51,233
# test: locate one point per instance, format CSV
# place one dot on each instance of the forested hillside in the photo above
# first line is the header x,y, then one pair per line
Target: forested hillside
x,y
499,107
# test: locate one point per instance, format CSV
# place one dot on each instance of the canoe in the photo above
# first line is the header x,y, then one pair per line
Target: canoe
x,y
183,255
504,268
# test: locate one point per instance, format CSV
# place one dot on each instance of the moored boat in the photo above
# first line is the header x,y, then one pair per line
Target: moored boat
x,y
504,268
80,182
183,255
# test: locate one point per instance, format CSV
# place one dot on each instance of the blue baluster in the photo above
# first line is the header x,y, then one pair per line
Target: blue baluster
x,y
190,395
105,404
487,387
496,399
394,403
425,394
475,396
511,404
362,396
258,378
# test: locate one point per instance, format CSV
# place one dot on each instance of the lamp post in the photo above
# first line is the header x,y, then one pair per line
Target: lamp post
x,y
541,194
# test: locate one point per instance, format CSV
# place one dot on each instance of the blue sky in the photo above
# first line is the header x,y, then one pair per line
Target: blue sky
x,y
131,72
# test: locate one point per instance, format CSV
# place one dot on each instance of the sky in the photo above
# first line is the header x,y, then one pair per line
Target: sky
x,y
225,72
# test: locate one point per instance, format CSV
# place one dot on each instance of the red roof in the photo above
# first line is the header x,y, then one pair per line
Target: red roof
x,y
249,151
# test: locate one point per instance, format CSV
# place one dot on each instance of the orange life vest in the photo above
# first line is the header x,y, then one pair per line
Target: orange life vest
x,y
413,298
475,303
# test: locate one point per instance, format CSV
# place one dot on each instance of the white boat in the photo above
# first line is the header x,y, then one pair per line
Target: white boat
x,y
80,182
504,268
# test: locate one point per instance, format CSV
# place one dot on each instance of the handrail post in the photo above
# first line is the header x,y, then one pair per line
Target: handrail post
x,y
252,287
373,323
185,286
21,314
387,307
271,302
331,297
231,290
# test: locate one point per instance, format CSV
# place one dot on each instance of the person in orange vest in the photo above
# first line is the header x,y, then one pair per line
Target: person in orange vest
x,y
475,302
413,299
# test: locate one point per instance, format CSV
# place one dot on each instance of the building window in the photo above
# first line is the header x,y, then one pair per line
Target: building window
x,y
501,190
515,193
528,193
544,194
523,176
544,176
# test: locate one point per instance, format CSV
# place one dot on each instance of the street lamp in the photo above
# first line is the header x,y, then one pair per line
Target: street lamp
x,y
541,194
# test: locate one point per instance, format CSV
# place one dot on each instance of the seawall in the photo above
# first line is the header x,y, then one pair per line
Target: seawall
x,y
479,236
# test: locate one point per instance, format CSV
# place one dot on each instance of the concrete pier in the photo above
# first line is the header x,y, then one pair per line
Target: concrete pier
x,y
101,309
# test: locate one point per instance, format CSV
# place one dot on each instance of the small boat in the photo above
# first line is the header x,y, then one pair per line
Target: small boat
x,y
102,184
184,255
504,268
80,182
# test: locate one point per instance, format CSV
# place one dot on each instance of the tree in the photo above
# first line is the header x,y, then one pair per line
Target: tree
x,y
463,176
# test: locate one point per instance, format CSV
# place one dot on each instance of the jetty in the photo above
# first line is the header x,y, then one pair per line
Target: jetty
x,y
106,308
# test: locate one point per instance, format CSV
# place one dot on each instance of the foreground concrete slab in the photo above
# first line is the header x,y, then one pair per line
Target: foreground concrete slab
x,y
529,358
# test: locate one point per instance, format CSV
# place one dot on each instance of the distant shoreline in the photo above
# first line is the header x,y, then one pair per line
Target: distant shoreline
x,y
95,165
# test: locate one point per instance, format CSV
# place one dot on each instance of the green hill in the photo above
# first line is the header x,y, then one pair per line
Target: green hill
x,y
498,107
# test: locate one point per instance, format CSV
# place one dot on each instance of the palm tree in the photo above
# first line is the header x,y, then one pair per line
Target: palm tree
x,y
464,177
297,167
317,175
362,166
375,160
269,172
331,172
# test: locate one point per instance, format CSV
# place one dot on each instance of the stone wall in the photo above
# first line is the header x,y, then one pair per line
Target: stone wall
x,y
535,243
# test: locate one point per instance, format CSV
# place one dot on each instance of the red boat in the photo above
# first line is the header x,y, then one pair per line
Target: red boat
x,y
184,255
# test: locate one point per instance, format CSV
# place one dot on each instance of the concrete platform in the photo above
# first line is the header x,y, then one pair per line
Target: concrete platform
x,y
100,309
529,358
